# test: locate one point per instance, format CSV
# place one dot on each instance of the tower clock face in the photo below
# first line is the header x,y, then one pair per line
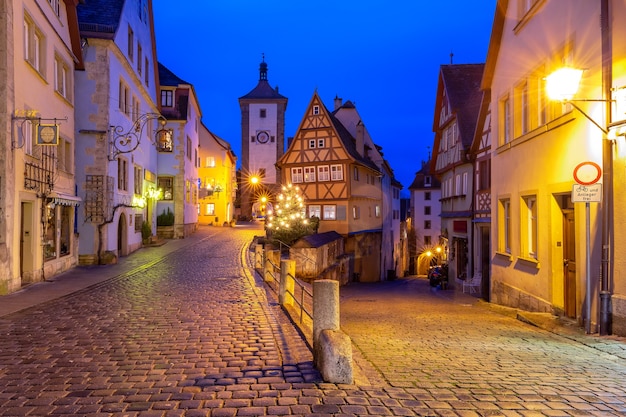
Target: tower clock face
x,y
262,137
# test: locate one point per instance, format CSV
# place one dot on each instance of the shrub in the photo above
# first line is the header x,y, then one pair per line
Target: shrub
x,y
146,230
165,218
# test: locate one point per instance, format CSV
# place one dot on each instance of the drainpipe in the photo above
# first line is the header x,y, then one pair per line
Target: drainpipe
x,y
607,164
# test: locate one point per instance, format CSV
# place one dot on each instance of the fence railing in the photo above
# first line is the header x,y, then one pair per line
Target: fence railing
x,y
294,295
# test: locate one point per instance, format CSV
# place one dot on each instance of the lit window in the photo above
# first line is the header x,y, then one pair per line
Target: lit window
x,y
210,162
166,185
330,212
315,210
210,209
309,174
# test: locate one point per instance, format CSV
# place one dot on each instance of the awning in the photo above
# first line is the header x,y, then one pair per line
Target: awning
x,y
64,199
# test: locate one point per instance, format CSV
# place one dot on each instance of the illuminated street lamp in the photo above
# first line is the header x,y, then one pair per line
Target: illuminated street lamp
x,y
562,85
255,180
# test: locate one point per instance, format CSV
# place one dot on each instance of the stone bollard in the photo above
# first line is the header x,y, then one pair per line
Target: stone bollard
x,y
332,348
325,307
258,257
285,291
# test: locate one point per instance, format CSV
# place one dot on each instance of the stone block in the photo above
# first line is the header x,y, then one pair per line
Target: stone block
x,y
334,357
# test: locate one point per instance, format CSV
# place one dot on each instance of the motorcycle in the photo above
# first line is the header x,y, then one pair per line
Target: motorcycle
x,y
438,276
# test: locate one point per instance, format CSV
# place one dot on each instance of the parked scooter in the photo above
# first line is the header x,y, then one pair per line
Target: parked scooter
x,y
438,276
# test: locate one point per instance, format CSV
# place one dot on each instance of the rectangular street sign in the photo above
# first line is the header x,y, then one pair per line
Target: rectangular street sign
x,y
587,193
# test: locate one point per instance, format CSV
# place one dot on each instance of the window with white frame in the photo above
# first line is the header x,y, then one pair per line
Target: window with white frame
x,y
55,6
123,98
321,143
336,172
457,184
34,45
505,120
135,106
62,77
465,183
529,226
210,209
316,109
296,175
520,119
377,211
323,173
312,143
356,212
330,212
138,180
504,225
122,174
315,210
26,130
309,174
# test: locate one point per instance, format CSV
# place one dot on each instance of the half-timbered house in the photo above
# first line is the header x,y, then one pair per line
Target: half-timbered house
x,y
340,183
456,112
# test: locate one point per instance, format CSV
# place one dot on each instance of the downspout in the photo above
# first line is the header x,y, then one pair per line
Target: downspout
x,y
607,163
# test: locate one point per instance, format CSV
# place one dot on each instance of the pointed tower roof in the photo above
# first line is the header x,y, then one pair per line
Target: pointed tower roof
x,y
263,90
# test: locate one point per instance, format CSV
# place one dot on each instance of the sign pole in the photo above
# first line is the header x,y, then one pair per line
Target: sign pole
x,y
588,292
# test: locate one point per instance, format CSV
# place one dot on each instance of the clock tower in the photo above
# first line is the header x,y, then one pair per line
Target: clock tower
x,y
262,140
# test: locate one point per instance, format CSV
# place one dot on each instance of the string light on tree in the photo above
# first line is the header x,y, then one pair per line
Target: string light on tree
x,y
288,221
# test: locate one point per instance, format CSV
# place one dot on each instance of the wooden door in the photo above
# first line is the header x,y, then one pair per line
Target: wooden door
x,y
569,263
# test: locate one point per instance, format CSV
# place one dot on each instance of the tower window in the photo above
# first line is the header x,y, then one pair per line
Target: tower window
x,y
263,113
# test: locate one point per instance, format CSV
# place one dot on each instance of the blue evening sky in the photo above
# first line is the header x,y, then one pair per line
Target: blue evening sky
x,y
383,55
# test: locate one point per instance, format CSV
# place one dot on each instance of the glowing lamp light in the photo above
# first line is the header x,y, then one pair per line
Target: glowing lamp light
x,y
563,83
254,180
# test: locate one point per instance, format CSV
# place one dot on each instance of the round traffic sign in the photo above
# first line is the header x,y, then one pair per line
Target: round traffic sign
x,y
587,173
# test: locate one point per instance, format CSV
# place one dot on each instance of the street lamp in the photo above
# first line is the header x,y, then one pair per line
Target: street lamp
x,y
562,85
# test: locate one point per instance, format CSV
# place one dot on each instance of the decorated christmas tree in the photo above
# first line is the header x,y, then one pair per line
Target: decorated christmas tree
x,y
287,221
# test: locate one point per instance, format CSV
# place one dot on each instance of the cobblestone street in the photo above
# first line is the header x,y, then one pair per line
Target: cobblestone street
x,y
193,333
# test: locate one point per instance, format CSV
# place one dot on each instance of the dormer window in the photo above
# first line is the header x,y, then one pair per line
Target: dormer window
x,y
263,113
428,181
167,98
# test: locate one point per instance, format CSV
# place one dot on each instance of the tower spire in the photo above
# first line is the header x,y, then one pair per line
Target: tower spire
x,y
263,68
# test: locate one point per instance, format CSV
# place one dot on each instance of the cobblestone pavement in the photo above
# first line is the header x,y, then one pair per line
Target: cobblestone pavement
x,y
193,333
460,356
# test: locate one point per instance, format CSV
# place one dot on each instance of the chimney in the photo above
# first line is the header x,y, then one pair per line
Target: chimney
x,y
338,102
360,138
